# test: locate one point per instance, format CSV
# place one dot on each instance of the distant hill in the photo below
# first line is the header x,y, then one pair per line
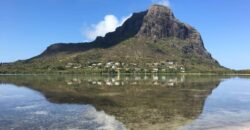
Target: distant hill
x,y
247,71
149,41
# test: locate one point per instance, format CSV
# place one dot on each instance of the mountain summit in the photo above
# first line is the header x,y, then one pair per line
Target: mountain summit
x,y
159,22
151,40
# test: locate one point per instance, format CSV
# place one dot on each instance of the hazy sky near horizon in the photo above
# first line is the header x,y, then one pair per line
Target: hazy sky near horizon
x,y
27,27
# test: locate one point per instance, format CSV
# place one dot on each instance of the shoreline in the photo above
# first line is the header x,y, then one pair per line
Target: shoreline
x,y
114,74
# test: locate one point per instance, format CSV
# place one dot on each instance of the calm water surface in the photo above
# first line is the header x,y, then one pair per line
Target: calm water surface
x,y
124,102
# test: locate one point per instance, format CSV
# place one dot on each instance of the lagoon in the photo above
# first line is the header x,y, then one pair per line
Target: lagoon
x,y
124,102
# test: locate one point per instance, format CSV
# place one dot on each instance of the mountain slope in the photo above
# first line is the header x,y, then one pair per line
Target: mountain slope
x,y
149,41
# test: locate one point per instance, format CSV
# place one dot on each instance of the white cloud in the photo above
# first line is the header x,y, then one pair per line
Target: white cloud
x,y
108,24
162,2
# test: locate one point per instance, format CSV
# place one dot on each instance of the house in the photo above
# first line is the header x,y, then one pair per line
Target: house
x,y
155,64
69,65
127,69
76,67
99,64
117,64
182,69
113,67
109,63
170,63
134,64
171,67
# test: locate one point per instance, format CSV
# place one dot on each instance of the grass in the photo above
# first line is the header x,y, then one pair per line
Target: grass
x,y
133,50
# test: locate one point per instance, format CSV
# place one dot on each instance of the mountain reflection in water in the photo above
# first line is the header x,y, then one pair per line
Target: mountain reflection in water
x,y
134,102
24,109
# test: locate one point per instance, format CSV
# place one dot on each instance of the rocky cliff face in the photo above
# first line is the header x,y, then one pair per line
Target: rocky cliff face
x,y
160,22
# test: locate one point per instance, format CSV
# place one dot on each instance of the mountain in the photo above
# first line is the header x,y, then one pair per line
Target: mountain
x,y
149,41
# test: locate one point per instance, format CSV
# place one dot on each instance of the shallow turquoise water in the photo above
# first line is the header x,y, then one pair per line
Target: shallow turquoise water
x,y
124,102
23,108
228,107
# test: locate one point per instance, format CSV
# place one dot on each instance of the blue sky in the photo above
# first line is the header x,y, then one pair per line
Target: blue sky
x,y
27,27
